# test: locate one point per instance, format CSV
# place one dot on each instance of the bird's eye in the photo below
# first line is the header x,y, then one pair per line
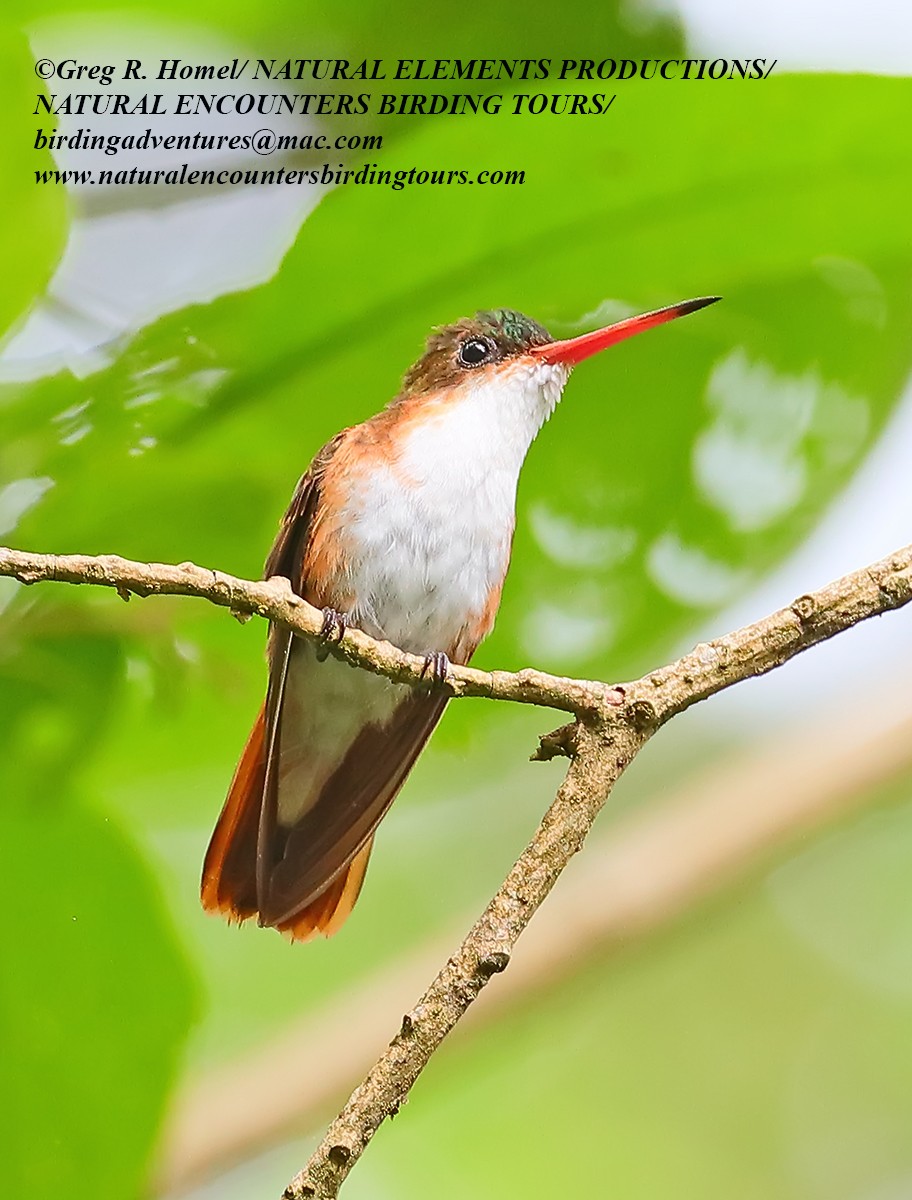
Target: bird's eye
x,y
474,351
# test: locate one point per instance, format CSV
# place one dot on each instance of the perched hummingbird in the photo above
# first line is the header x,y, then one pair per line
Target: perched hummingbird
x,y
401,526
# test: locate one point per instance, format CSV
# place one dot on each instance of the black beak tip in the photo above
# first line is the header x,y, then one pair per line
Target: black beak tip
x,y
690,306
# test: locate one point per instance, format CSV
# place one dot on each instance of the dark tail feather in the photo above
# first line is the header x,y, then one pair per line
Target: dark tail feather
x,y
229,871
330,910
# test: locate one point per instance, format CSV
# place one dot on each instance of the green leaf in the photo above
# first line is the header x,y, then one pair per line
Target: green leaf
x,y
95,995
34,226
94,1003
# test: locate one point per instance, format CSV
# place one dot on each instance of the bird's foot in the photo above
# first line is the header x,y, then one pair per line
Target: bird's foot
x,y
332,630
436,667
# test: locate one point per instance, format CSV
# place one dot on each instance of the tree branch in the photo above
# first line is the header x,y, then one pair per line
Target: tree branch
x,y
274,600
655,864
612,725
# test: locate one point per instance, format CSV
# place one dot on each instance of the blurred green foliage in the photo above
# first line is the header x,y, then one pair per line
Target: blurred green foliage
x,y
731,1056
33,230
677,471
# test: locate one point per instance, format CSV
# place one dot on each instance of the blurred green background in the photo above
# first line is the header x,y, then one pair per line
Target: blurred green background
x,y
730,1056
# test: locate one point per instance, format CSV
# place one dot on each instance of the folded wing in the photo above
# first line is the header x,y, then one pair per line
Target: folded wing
x,y
326,757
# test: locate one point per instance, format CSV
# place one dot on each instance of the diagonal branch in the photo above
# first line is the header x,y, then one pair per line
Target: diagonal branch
x,y
659,860
612,725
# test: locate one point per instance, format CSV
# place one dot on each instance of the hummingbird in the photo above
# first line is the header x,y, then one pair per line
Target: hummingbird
x,y
402,526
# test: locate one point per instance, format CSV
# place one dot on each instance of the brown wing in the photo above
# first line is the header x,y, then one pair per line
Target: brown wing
x,y
304,879
318,849
231,882
287,553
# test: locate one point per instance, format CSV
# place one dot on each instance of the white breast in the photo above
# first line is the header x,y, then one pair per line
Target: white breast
x,y
432,531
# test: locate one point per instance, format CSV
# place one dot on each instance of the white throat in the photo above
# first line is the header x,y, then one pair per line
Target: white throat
x,y
492,420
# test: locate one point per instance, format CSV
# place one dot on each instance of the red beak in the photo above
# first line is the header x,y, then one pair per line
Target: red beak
x,y
574,350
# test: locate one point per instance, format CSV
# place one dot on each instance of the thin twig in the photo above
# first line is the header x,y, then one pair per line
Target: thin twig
x,y
612,725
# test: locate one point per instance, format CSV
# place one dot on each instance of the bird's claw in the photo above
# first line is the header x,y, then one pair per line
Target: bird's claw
x,y
333,629
436,667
